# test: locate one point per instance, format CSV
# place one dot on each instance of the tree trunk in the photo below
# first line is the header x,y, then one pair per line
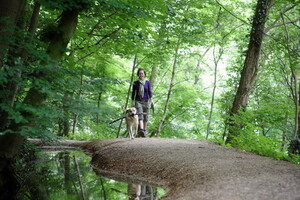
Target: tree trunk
x,y
216,61
24,54
217,58
98,107
153,76
10,9
34,18
7,30
298,115
14,52
103,192
296,100
251,67
10,143
169,91
9,186
198,71
82,190
294,66
75,122
76,115
67,173
56,50
63,122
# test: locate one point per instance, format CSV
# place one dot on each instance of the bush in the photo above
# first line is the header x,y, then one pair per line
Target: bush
x,y
261,145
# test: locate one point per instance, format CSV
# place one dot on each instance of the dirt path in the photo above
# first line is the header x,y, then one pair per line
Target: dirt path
x,y
191,169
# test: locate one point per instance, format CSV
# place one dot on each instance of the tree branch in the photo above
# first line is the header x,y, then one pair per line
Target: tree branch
x,y
245,22
273,25
281,24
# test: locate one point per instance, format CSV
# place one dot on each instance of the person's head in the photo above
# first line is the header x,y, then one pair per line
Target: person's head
x,y
141,73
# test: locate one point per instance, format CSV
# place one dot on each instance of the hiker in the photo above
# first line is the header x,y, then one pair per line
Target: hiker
x,y
142,99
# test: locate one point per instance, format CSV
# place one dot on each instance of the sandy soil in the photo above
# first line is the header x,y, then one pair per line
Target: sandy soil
x,y
190,169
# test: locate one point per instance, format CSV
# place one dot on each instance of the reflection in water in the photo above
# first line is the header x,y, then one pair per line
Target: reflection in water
x,y
139,192
69,175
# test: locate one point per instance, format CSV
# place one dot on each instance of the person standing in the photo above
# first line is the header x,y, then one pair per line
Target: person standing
x,y
141,99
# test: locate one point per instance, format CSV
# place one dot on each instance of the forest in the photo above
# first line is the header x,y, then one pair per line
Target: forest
x,y
224,71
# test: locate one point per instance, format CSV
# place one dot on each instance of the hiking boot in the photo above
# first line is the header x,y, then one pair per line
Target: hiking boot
x,y
142,133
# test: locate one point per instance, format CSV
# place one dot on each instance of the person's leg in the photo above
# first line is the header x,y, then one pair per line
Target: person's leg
x,y
139,107
142,132
145,125
145,120
141,124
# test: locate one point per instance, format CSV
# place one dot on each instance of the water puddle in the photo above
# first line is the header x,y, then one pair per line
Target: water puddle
x,y
69,175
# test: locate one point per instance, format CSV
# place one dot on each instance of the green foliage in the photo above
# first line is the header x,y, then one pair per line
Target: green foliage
x,y
68,4
89,85
261,145
264,146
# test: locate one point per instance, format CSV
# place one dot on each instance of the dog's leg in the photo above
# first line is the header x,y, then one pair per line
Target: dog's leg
x,y
131,132
136,127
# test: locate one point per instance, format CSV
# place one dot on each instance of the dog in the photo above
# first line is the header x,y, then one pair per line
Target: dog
x,y
132,121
